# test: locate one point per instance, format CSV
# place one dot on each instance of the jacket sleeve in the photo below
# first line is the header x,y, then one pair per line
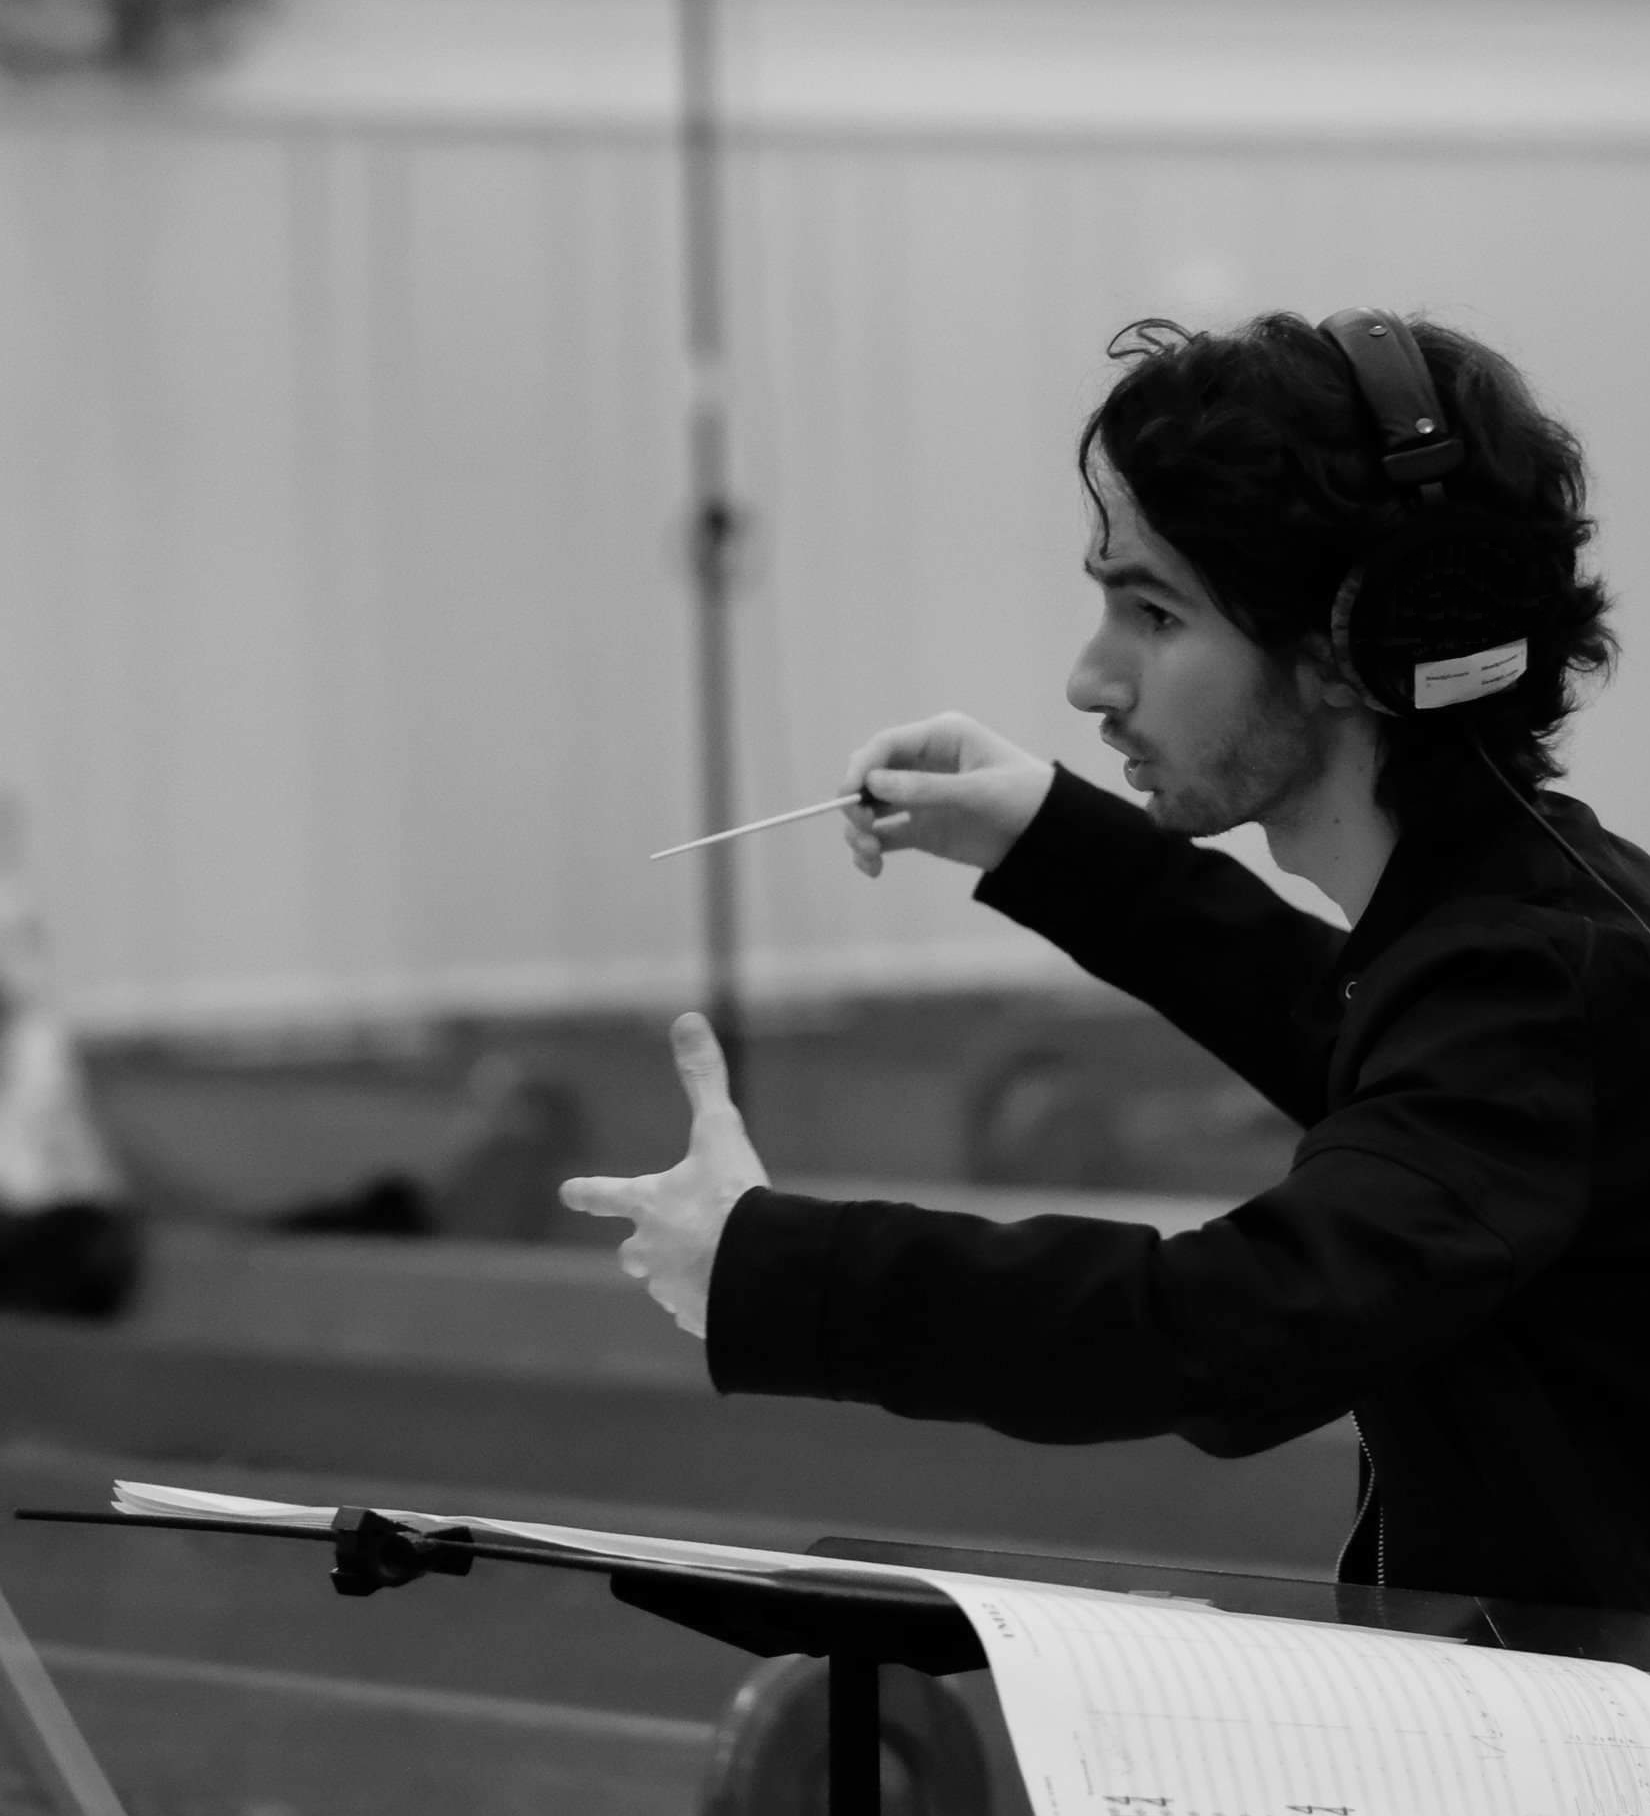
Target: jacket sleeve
x,y
1456,1169
1165,920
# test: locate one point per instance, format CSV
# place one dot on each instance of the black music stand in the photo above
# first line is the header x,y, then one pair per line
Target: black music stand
x,y
858,1624
855,1623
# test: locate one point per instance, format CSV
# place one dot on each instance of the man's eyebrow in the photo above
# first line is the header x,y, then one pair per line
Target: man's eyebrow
x,y
1133,573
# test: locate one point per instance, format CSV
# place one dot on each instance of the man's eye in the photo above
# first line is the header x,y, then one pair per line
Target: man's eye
x,y
1155,615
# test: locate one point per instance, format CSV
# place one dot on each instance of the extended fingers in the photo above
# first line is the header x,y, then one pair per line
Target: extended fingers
x,y
606,1197
699,1063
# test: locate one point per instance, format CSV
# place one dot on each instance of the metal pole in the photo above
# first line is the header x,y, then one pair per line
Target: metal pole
x,y
853,1744
716,521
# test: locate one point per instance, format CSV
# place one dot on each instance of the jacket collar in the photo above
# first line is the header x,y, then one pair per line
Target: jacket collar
x,y
1497,850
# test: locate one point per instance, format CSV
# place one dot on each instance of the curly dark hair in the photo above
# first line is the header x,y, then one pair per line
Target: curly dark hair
x,y
1253,454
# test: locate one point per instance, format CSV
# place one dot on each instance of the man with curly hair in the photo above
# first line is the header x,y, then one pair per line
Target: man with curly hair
x,y
1459,1255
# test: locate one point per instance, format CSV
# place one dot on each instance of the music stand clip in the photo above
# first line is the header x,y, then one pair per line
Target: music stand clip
x,y
373,1552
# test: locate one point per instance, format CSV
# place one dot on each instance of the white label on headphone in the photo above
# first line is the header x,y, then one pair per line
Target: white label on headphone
x,y
1487,671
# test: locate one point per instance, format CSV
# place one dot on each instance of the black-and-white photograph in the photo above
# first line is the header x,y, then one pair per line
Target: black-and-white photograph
x,y
824,908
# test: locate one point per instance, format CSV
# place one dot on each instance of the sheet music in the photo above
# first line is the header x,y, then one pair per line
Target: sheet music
x,y
1130,1706
1138,1708
154,1498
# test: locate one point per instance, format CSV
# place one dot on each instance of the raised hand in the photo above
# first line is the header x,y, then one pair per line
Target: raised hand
x,y
952,788
679,1215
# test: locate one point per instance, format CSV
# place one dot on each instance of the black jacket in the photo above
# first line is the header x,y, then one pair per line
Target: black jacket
x,y
1459,1255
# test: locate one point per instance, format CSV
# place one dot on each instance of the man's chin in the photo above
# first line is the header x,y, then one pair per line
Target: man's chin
x,y
1191,819
1160,810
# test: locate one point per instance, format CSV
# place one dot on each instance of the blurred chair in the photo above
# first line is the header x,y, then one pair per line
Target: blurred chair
x,y
360,1148
768,1756
1138,1108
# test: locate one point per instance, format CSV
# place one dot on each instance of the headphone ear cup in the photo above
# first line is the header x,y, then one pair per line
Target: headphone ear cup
x,y
1445,582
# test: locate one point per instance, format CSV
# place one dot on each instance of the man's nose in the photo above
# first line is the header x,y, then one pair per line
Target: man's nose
x,y
1098,682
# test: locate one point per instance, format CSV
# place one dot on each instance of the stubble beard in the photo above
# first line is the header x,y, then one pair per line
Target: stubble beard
x,y
1259,772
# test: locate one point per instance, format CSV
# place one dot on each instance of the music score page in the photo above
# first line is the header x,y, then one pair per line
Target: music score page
x,y
1136,1707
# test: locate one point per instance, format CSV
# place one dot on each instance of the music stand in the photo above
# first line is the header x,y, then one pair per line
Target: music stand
x,y
858,1624
855,1623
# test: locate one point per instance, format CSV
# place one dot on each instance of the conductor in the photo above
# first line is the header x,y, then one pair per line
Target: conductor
x,y
1341,598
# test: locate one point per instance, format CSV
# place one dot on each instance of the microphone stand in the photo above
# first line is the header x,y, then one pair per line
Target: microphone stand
x,y
717,523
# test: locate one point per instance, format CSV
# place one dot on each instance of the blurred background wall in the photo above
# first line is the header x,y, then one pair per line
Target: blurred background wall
x,y
345,619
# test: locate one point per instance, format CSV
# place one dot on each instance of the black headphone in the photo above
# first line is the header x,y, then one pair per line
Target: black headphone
x,y
1440,610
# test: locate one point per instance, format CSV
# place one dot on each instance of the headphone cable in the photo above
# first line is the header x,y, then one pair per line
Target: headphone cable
x,y
1557,837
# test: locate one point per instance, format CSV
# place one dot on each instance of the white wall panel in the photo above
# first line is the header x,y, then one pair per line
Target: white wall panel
x,y
345,627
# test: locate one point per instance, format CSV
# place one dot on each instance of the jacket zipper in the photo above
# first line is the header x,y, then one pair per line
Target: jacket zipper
x,y
1358,1518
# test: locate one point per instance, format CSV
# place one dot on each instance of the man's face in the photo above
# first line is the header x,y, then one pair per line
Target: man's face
x,y
1216,729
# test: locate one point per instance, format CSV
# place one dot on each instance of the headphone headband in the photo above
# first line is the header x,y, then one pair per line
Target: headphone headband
x,y
1417,448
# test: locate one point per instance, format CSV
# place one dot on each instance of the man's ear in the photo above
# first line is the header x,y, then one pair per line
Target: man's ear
x,y
1319,677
